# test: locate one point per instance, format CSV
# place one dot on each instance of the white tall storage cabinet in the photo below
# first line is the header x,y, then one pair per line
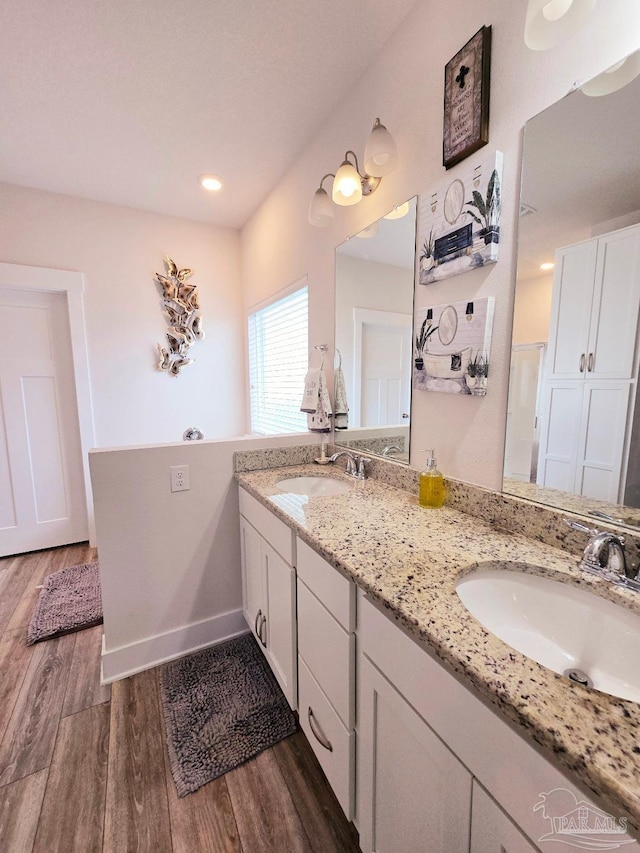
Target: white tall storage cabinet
x,y
590,377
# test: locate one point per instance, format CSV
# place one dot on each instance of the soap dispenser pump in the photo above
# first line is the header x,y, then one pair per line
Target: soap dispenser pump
x,y
431,484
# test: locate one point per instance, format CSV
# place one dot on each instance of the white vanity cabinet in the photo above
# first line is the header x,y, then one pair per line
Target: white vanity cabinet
x,y
492,831
437,770
326,673
269,589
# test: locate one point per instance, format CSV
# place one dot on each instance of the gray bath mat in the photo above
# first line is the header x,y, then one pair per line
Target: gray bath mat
x,y
221,706
70,600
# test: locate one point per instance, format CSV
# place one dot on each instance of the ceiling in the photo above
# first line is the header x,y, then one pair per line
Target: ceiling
x,y
580,171
387,241
128,102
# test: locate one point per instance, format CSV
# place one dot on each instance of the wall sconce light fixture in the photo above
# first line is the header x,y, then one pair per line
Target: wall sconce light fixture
x,y
429,313
469,312
349,184
549,22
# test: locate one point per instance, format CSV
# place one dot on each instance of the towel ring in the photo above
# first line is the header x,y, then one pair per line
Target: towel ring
x,y
322,348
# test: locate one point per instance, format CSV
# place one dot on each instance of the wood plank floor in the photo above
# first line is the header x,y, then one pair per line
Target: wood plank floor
x,y
84,767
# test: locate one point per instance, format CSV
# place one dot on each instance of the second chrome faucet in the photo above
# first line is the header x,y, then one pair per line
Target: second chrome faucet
x,y
355,466
605,556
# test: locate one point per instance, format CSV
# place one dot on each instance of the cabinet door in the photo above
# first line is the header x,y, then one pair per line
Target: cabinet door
x,y
491,830
614,320
571,310
413,793
601,446
252,576
559,434
279,630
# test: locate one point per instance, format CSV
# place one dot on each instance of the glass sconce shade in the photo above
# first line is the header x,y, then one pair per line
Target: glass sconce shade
x,y
380,154
549,22
320,209
347,185
614,78
398,212
368,232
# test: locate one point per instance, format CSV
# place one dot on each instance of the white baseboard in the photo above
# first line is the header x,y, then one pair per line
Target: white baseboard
x,y
136,657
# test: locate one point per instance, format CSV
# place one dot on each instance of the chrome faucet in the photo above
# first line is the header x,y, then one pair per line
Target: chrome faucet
x,y
355,466
390,449
605,556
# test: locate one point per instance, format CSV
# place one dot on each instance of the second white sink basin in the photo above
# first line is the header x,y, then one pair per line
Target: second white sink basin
x,y
314,487
563,627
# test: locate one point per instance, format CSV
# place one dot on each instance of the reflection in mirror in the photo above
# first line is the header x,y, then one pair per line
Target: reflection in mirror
x,y
573,426
374,309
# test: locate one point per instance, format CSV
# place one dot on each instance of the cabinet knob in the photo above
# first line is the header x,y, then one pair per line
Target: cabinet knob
x,y
318,734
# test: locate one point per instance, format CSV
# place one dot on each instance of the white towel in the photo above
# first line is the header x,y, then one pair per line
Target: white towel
x,y
318,418
311,390
341,419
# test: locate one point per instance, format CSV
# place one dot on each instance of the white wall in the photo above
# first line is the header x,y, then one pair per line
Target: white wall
x,y
371,285
404,87
169,562
532,310
118,250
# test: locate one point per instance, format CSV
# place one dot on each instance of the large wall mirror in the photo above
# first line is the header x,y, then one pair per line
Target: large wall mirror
x,y
374,278
573,421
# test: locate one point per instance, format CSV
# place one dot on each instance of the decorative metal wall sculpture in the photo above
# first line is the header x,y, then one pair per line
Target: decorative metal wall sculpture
x,y
180,302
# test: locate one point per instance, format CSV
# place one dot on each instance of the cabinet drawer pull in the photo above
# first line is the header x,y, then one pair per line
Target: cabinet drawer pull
x,y
263,640
255,624
581,367
321,738
590,363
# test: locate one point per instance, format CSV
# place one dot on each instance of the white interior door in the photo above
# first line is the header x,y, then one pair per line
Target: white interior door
x,y
382,367
42,497
521,447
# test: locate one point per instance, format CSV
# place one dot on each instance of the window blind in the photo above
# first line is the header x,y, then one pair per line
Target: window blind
x,y
278,361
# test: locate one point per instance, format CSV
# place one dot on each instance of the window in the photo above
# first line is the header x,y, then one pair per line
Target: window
x,y
278,361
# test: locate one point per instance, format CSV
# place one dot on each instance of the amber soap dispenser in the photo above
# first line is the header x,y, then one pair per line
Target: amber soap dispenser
x,y
431,484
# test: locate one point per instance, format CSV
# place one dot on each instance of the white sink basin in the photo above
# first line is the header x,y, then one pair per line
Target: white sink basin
x,y
560,626
314,487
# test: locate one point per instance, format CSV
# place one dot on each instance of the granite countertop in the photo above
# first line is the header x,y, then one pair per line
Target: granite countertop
x,y
409,558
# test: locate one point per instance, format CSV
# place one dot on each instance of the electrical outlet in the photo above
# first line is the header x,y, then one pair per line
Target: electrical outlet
x,y
179,478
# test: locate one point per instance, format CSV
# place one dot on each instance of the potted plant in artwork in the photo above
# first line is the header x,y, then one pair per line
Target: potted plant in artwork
x,y
422,342
488,216
476,375
427,259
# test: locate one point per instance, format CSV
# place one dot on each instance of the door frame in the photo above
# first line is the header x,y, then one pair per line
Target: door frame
x,y
541,346
21,277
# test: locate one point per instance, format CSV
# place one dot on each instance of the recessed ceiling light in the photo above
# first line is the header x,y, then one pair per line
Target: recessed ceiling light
x,y
547,266
210,182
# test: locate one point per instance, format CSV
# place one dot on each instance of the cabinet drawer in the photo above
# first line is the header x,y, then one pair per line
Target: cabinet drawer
x,y
328,650
276,532
333,589
320,722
